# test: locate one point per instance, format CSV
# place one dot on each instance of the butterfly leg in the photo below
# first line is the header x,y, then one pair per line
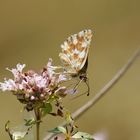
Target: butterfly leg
x,y
88,88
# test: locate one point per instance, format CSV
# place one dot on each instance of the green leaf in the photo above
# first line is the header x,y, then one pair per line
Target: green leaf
x,y
83,136
47,108
30,122
58,130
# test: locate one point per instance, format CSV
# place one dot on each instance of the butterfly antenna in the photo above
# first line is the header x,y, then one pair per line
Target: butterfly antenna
x,y
86,92
76,86
87,84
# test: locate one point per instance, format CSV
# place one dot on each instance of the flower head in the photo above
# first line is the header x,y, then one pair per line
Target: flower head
x,y
31,87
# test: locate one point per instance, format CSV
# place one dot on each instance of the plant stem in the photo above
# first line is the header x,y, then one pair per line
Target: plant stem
x,y
38,120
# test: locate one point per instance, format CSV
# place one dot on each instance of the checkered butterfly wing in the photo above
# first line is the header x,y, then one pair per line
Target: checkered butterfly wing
x,y
75,51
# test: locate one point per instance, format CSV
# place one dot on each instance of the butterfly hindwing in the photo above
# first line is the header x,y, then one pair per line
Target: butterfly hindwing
x,y
75,51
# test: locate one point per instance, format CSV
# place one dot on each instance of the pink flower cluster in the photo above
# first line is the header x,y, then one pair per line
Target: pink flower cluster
x,y
31,87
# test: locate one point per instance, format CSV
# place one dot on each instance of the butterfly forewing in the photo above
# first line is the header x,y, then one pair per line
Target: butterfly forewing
x,y
75,51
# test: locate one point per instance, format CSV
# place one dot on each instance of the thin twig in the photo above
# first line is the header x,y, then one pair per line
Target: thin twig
x,y
103,90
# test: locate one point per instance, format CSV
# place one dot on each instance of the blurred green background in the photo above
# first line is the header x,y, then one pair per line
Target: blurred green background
x,y
32,31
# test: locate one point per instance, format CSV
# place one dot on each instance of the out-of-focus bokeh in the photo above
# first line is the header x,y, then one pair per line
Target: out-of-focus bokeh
x,y
32,31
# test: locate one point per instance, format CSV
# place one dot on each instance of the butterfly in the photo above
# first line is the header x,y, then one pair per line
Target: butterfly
x,y
74,55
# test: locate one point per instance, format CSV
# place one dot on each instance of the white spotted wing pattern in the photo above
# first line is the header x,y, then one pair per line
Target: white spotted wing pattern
x,y
75,51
